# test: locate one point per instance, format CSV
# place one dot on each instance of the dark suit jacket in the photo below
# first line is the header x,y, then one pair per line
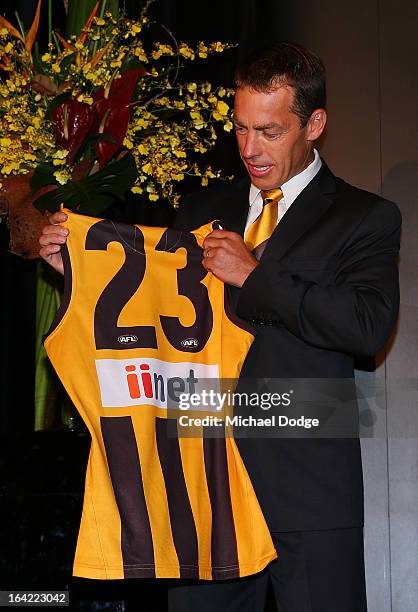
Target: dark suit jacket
x,y
325,291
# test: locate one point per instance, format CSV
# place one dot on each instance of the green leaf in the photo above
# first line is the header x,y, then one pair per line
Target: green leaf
x,y
68,59
96,192
130,62
104,136
87,149
43,176
37,62
79,11
57,101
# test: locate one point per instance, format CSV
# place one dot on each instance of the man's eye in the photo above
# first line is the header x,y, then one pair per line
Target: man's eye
x,y
239,129
271,135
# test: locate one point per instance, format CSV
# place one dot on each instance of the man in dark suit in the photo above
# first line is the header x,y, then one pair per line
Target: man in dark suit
x,y
322,289
320,286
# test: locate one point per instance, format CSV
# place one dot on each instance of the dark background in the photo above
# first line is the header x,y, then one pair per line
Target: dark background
x,y
370,49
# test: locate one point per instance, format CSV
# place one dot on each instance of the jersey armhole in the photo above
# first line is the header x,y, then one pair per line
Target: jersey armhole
x,y
68,288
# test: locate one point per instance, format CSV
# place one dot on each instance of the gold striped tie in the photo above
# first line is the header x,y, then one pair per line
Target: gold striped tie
x,y
262,228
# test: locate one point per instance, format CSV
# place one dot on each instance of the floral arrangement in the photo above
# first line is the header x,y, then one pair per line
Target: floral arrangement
x,y
95,115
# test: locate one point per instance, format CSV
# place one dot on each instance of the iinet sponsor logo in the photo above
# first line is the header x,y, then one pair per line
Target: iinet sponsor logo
x,y
139,382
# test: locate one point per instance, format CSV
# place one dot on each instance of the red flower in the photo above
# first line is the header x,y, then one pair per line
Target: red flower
x,y
113,114
72,123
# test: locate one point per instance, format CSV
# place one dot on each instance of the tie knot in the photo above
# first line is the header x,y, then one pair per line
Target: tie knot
x,y
271,195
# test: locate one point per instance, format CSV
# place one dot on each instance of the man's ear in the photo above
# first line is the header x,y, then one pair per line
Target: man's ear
x,y
316,124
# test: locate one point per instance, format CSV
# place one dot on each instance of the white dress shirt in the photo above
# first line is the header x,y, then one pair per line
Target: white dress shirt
x,y
291,189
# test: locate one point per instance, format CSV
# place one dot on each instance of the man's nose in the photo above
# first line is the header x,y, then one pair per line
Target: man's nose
x,y
251,147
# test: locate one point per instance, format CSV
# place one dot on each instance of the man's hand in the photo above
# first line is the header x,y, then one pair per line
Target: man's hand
x,y
227,256
52,238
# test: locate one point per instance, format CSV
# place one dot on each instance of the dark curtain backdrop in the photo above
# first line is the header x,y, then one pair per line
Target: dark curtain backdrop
x,y
245,22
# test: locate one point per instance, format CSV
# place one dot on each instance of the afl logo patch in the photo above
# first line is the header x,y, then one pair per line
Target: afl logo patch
x,y
189,342
127,339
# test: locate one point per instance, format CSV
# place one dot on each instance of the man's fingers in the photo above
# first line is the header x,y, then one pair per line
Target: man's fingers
x,y
49,238
222,234
52,256
207,264
55,229
217,243
49,250
210,242
52,239
219,237
57,217
211,252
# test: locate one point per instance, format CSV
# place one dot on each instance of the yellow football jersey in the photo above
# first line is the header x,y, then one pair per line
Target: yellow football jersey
x,y
140,324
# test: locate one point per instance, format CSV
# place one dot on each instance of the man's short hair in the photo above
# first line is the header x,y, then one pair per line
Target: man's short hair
x,y
286,64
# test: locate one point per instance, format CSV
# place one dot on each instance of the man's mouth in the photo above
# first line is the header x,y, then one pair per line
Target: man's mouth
x,y
258,170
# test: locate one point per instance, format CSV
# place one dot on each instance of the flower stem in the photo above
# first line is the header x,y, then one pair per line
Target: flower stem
x,y
21,26
50,21
102,11
102,8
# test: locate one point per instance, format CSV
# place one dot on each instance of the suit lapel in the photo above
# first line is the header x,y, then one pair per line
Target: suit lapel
x,y
306,210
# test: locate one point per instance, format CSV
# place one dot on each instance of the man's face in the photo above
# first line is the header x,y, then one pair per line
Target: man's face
x,y
271,142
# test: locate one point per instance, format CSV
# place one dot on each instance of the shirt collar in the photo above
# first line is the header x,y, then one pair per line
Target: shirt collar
x,y
294,186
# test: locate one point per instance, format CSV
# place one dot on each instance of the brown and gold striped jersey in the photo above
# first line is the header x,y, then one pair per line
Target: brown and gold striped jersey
x,y
141,324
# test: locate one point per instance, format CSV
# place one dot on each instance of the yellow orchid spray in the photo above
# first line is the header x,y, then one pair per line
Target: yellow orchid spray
x,y
106,97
